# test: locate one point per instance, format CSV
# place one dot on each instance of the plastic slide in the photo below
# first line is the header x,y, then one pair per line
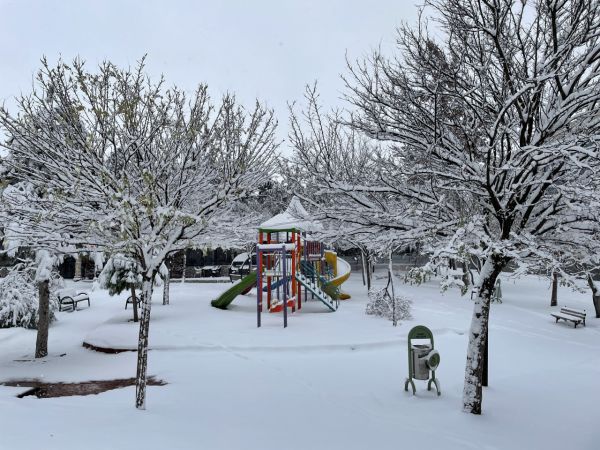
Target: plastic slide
x,y
276,284
341,271
241,287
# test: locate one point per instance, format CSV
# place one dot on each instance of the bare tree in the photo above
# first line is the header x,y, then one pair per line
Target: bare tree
x,y
501,112
140,168
490,138
354,186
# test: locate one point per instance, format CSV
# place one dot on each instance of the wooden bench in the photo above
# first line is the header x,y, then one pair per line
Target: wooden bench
x,y
570,315
496,293
72,300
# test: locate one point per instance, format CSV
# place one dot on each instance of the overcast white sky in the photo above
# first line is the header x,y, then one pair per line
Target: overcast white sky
x,y
268,49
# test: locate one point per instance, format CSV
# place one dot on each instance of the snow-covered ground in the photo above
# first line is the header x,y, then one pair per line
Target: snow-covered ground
x,y
328,381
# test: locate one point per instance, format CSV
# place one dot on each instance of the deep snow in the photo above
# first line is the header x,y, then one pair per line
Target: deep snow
x,y
330,380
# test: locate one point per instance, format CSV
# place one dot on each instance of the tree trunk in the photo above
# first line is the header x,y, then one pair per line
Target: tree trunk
x,y
166,286
472,392
368,270
554,298
142,360
41,343
184,266
77,275
466,279
595,295
134,304
484,374
391,275
363,266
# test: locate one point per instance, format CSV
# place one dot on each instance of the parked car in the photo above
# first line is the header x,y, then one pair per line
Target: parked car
x,y
241,266
211,271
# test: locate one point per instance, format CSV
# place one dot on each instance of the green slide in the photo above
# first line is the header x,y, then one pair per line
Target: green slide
x,y
244,285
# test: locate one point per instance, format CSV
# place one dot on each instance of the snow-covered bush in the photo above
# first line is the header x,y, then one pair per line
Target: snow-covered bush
x,y
120,274
419,275
19,298
452,280
380,304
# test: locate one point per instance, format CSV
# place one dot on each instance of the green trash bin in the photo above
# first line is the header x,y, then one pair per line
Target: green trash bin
x,y
423,359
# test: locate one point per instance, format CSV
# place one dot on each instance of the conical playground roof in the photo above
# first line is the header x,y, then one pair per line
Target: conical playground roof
x,y
294,218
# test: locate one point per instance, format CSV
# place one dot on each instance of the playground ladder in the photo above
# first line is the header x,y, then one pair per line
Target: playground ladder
x,y
317,291
309,271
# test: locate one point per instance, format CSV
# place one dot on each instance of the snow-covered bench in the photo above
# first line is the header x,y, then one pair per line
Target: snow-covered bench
x,y
496,293
70,299
129,301
570,315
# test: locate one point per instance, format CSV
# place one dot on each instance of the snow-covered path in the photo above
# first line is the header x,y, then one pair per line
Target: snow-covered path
x,y
328,381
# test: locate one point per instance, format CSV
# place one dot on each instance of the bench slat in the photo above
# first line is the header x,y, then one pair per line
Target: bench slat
x,y
573,312
567,317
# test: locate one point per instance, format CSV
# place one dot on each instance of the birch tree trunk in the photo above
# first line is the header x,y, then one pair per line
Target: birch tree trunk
x,y
554,298
134,304
166,287
595,295
142,360
41,343
472,392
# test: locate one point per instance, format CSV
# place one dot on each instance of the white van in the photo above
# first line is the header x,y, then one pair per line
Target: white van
x,y
241,266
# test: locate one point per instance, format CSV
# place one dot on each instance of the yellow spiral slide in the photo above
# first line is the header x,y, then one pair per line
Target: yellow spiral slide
x,y
341,271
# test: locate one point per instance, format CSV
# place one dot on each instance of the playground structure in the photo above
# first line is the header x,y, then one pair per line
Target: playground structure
x,y
292,268
291,264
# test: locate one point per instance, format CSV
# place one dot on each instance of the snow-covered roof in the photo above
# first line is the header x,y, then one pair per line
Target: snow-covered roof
x,y
295,217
